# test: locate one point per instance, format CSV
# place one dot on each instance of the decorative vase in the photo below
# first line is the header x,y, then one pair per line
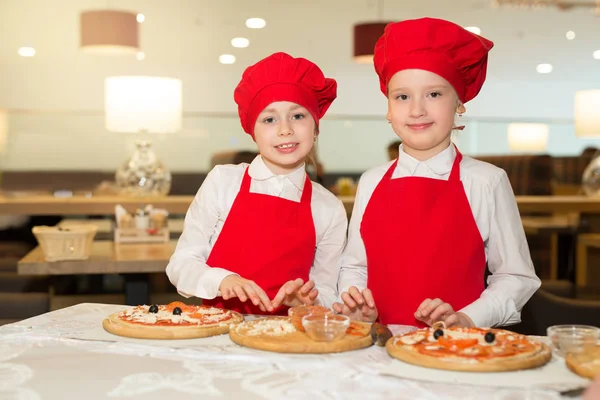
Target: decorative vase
x,y
143,174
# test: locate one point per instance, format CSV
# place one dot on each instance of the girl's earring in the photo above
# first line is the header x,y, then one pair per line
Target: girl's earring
x,y
315,139
459,127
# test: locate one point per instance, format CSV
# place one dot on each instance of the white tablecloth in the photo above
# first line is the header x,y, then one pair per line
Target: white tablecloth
x,y
66,354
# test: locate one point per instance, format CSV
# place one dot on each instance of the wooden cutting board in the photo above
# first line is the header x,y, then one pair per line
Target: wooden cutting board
x,y
586,364
299,342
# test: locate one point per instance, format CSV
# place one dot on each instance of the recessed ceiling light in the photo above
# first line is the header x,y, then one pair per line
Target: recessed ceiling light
x,y
140,55
597,54
240,42
544,68
255,23
570,35
226,58
140,18
26,51
473,29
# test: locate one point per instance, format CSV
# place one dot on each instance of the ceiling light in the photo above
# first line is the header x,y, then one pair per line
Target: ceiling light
x,y
570,35
544,68
365,36
140,55
240,42
473,29
26,51
255,23
109,32
597,54
140,18
226,59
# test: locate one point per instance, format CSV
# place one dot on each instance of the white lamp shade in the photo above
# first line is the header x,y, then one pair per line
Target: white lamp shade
x,y
527,137
587,113
142,104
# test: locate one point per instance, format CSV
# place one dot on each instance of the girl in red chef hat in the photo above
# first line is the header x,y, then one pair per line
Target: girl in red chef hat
x,y
261,235
425,225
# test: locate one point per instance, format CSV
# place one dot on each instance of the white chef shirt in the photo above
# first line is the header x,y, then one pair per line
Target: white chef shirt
x,y
187,269
513,280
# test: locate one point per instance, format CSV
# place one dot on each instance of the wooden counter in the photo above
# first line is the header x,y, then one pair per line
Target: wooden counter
x,y
80,205
105,205
106,258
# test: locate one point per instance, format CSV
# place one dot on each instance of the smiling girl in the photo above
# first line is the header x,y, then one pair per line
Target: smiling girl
x,y
425,225
262,235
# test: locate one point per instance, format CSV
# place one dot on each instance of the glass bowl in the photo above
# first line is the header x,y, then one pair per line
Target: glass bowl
x,y
296,314
573,338
325,327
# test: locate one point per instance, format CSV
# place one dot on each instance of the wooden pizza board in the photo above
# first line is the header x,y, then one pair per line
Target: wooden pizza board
x,y
499,365
298,342
586,364
113,324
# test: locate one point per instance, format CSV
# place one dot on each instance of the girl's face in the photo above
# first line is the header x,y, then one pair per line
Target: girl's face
x,y
421,109
285,133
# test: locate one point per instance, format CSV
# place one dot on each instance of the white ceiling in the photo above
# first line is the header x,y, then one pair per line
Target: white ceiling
x,y
184,38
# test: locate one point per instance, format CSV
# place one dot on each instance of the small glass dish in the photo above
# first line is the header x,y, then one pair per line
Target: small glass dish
x,y
573,338
325,327
296,314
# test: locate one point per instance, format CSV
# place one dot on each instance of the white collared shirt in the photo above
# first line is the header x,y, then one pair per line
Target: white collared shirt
x,y
513,280
187,269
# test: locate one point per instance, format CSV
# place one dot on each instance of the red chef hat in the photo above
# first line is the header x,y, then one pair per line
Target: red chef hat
x,y
281,77
434,45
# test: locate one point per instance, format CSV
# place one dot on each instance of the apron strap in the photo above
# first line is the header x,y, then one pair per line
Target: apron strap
x,y
246,180
306,191
390,171
455,173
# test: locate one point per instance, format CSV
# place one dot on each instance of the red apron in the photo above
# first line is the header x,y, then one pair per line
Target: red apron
x,y
266,239
421,242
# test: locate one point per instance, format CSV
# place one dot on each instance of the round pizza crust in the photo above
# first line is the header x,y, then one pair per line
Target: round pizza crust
x,y
115,325
585,364
541,356
298,342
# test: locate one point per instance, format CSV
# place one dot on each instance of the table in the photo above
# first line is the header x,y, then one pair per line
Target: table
x,y
81,205
105,205
133,260
106,226
65,354
534,204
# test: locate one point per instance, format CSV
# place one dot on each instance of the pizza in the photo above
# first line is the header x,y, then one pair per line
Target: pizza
x,y
172,321
280,335
469,349
586,363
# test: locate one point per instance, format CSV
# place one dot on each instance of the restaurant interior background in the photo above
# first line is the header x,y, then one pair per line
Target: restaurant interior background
x,y
53,100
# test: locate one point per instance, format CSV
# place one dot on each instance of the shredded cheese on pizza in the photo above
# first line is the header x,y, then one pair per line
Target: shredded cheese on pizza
x,y
271,327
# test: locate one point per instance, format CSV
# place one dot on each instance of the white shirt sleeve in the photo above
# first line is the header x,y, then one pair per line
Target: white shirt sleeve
x,y
353,271
513,280
187,269
326,267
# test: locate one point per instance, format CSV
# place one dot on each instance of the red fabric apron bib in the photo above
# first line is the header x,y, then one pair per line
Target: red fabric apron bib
x,y
266,239
421,242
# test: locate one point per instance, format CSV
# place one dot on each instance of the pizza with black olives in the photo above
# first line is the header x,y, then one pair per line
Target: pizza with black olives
x,y
469,349
172,321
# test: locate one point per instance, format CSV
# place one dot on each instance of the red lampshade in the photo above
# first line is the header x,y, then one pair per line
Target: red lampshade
x,y
365,37
109,31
